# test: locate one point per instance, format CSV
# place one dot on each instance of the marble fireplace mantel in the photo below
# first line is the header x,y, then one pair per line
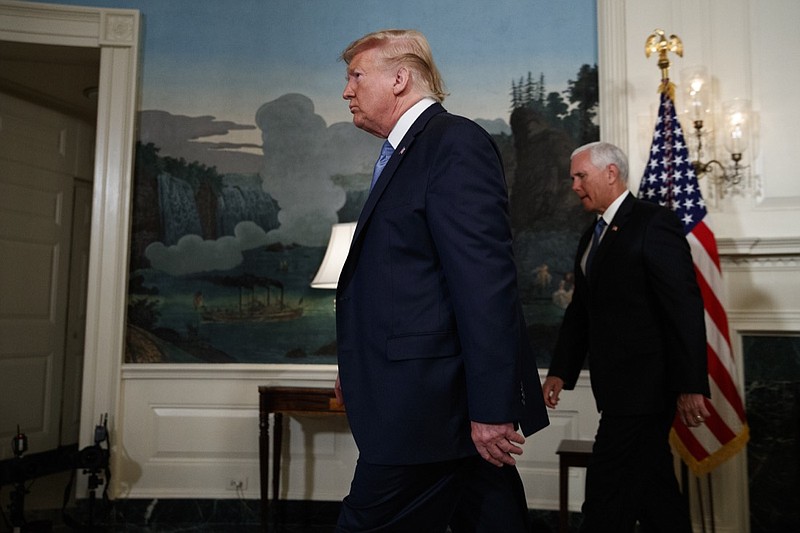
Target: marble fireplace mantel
x,y
775,247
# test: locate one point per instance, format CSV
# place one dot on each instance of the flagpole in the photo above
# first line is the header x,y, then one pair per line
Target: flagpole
x,y
711,503
685,480
700,502
658,43
670,180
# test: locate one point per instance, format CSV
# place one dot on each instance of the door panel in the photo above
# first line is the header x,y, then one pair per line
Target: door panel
x,y
37,160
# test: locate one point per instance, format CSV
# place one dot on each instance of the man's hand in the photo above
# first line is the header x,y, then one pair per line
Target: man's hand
x,y
496,442
692,409
337,391
551,389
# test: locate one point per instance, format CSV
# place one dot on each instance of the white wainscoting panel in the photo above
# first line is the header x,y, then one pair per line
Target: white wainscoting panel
x,y
319,455
186,431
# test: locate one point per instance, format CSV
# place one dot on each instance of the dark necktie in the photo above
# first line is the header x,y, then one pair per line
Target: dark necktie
x,y
386,153
598,233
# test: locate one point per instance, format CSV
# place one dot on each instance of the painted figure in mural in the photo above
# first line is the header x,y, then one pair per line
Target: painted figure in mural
x,y
637,313
435,369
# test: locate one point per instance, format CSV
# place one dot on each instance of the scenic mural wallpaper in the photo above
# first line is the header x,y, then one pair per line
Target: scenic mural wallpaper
x,y
246,157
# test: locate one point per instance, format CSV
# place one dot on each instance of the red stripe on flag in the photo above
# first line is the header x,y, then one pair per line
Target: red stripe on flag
x,y
716,370
692,445
724,382
706,237
713,306
717,425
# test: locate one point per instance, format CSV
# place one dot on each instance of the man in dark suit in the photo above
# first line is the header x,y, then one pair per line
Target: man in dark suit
x,y
637,313
435,368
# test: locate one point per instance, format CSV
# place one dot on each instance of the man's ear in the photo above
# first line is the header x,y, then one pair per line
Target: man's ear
x,y
613,173
402,80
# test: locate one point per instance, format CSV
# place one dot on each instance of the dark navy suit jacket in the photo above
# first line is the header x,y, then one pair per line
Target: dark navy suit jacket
x,y
429,325
638,315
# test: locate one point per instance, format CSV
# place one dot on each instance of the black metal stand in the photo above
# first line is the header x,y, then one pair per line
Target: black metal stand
x,y
94,482
17,506
19,444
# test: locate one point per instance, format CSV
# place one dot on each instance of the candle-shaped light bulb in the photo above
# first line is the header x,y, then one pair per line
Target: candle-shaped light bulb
x,y
737,131
696,91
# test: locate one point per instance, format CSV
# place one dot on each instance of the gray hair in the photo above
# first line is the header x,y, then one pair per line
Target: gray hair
x,y
603,154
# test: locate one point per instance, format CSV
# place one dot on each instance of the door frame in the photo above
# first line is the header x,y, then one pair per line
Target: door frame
x,y
116,33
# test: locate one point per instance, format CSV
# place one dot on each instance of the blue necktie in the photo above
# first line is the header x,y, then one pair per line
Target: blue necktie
x,y
598,233
386,153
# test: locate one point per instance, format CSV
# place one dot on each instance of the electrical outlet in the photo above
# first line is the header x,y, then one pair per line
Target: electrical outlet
x,y
237,483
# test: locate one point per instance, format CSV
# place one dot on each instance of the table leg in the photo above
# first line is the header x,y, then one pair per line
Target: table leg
x,y
263,451
277,448
563,496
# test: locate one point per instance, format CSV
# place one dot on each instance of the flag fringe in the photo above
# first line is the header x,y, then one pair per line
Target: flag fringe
x,y
725,452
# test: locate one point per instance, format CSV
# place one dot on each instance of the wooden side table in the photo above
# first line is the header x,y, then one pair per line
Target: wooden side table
x,y
280,400
570,453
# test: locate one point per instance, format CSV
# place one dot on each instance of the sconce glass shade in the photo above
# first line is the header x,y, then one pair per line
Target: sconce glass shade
x,y
696,89
736,132
338,247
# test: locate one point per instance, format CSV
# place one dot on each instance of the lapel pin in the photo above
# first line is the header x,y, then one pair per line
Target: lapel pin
x,y
614,228
402,150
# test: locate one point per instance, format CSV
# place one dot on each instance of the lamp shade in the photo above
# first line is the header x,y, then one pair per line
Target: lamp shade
x,y
338,246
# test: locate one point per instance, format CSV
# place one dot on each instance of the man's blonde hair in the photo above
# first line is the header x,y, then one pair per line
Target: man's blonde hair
x,y
408,48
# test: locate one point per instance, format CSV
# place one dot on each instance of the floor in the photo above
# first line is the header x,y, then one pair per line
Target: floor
x,y
209,516
45,512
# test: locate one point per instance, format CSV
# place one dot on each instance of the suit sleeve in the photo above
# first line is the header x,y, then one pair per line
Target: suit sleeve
x,y
467,210
673,282
572,344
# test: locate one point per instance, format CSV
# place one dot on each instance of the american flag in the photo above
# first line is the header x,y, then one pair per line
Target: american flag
x,y
670,181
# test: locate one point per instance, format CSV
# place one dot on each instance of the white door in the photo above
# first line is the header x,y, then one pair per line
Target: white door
x,y
38,162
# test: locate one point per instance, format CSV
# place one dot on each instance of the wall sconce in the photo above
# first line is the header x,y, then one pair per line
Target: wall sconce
x,y
335,255
735,129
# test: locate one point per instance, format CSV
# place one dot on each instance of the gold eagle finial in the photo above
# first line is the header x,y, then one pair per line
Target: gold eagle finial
x,y
657,42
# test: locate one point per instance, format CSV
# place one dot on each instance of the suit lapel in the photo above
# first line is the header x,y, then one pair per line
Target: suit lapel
x,y
612,232
582,245
380,186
